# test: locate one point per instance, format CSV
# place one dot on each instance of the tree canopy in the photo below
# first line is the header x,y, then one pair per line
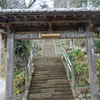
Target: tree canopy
x,y
13,4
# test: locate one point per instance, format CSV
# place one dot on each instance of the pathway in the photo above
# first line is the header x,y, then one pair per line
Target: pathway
x,y
2,89
49,80
49,48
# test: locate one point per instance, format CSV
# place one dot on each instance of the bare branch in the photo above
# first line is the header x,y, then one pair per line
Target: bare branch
x,y
31,3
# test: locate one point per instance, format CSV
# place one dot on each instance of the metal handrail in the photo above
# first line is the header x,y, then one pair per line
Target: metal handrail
x,y
69,66
43,47
55,46
66,56
28,69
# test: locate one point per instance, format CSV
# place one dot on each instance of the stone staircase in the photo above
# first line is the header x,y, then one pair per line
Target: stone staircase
x,y
49,81
49,48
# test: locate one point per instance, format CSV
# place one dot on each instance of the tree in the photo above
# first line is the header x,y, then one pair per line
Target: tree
x,y
31,3
3,3
13,4
75,3
44,6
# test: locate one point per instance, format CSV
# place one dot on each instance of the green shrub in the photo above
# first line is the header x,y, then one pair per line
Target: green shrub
x,y
40,47
18,82
16,73
97,43
77,51
70,56
64,59
58,45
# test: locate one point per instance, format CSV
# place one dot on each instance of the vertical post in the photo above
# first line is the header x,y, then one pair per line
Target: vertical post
x,y
55,46
10,65
43,47
67,67
38,45
63,42
0,48
61,49
71,43
73,77
33,52
92,67
26,78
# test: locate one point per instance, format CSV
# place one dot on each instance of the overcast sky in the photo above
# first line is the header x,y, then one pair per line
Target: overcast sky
x,y
37,4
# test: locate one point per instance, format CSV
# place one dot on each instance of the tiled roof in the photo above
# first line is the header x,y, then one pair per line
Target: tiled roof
x,y
91,9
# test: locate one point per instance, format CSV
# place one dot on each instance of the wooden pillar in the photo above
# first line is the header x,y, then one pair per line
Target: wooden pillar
x,y
10,65
71,43
94,89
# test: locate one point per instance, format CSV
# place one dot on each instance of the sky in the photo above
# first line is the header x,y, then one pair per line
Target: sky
x,y
41,2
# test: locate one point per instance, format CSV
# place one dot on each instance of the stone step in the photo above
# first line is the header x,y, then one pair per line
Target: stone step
x,y
54,70
49,81
57,65
53,56
49,68
59,73
49,71
44,96
49,64
61,66
51,98
32,87
48,61
48,84
48,75
38,57
47,57
56,80
47,78
51,90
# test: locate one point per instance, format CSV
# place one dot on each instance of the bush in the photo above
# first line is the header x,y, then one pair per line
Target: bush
x,y
22,52
79,61
18,82
77,51
97,43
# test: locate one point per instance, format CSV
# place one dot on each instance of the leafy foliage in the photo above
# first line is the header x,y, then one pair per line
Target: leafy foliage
x,y
18,82
22,51
1,4
79,3
79,61
81,68
97,43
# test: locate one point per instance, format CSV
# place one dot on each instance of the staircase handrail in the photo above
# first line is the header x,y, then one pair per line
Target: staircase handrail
x,y
28,69
69,66
55,46
43,47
